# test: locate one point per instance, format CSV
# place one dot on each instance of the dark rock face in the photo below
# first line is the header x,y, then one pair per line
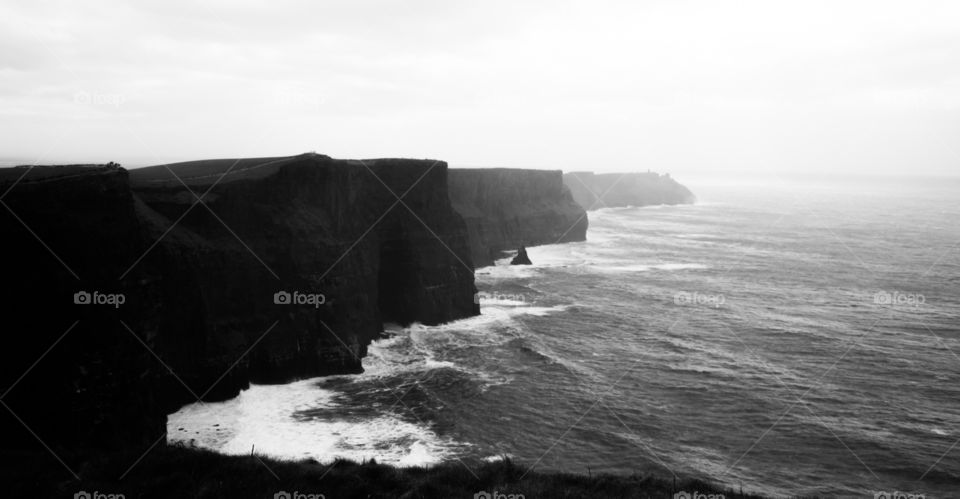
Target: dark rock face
x,y
593,191
505,208
96,383
522,258
287,269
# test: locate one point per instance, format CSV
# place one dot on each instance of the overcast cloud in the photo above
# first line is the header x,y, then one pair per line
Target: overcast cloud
x,y
680,86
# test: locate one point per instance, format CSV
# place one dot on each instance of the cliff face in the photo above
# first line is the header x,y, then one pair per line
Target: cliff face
x,y
508,208
593,191
288,269
72,373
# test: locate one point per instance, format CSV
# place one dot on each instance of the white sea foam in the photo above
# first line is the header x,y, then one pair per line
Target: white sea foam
x,y
262,419
416,347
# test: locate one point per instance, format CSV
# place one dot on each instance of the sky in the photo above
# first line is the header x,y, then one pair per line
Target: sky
x,y
686,87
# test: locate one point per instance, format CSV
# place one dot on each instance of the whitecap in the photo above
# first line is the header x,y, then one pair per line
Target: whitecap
x,y
498,457
262,420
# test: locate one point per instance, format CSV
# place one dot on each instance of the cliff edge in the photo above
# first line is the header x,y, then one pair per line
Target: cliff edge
x,y
604,190
505,208
163,285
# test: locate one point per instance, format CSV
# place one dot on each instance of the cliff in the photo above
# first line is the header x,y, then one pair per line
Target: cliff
x,y
288,268
73,373
507,208
593,191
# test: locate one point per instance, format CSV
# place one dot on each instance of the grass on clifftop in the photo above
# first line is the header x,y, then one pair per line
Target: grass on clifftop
x,y
172,471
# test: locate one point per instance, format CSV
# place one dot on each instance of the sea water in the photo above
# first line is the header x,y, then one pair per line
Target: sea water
x,y
791,338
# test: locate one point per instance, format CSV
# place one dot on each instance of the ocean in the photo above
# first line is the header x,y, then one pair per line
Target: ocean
x,y
787,337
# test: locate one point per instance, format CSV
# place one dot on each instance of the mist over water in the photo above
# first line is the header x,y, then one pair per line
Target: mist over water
x,y
794,338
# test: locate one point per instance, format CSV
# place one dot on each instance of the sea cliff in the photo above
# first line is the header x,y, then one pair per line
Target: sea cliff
x,y
132,293
607,190
505,208
230,272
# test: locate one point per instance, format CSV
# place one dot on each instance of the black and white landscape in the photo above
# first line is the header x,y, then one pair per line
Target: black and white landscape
x,y
511,250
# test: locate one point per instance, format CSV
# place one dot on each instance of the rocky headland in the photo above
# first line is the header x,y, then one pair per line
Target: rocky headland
x,y
607,190
505,208
131,293
164,285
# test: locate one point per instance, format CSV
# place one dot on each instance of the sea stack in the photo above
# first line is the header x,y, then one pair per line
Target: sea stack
x,y
521,258
504,208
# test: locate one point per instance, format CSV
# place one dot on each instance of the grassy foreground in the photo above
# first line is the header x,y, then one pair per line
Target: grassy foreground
x,y
170,471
